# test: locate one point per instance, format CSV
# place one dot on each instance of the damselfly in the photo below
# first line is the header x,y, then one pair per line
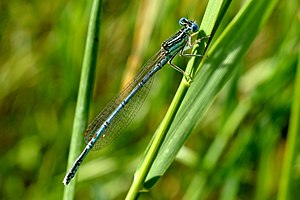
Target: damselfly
x,y
119,112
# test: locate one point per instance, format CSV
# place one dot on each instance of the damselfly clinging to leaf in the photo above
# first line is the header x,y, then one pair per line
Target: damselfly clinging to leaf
x,y
119,112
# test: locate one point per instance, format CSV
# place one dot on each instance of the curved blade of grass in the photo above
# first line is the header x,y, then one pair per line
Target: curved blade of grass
x,y
85,91
211,14
216,71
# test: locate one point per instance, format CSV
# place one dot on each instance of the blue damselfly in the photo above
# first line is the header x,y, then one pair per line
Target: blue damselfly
x,y
119,112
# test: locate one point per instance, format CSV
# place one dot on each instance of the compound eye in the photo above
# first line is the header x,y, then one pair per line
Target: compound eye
x,y
194,27
183,21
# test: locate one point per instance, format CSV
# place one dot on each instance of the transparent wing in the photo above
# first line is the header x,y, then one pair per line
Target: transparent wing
x,y
125,116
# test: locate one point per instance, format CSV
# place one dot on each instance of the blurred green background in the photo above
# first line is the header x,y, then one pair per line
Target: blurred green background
x,y
41,51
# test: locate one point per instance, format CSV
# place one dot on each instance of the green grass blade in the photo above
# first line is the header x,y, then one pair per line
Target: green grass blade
x,y
216,71
211,15
85,92
290,183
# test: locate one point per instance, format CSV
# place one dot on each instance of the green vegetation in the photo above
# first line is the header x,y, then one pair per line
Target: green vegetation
x,y
232,134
